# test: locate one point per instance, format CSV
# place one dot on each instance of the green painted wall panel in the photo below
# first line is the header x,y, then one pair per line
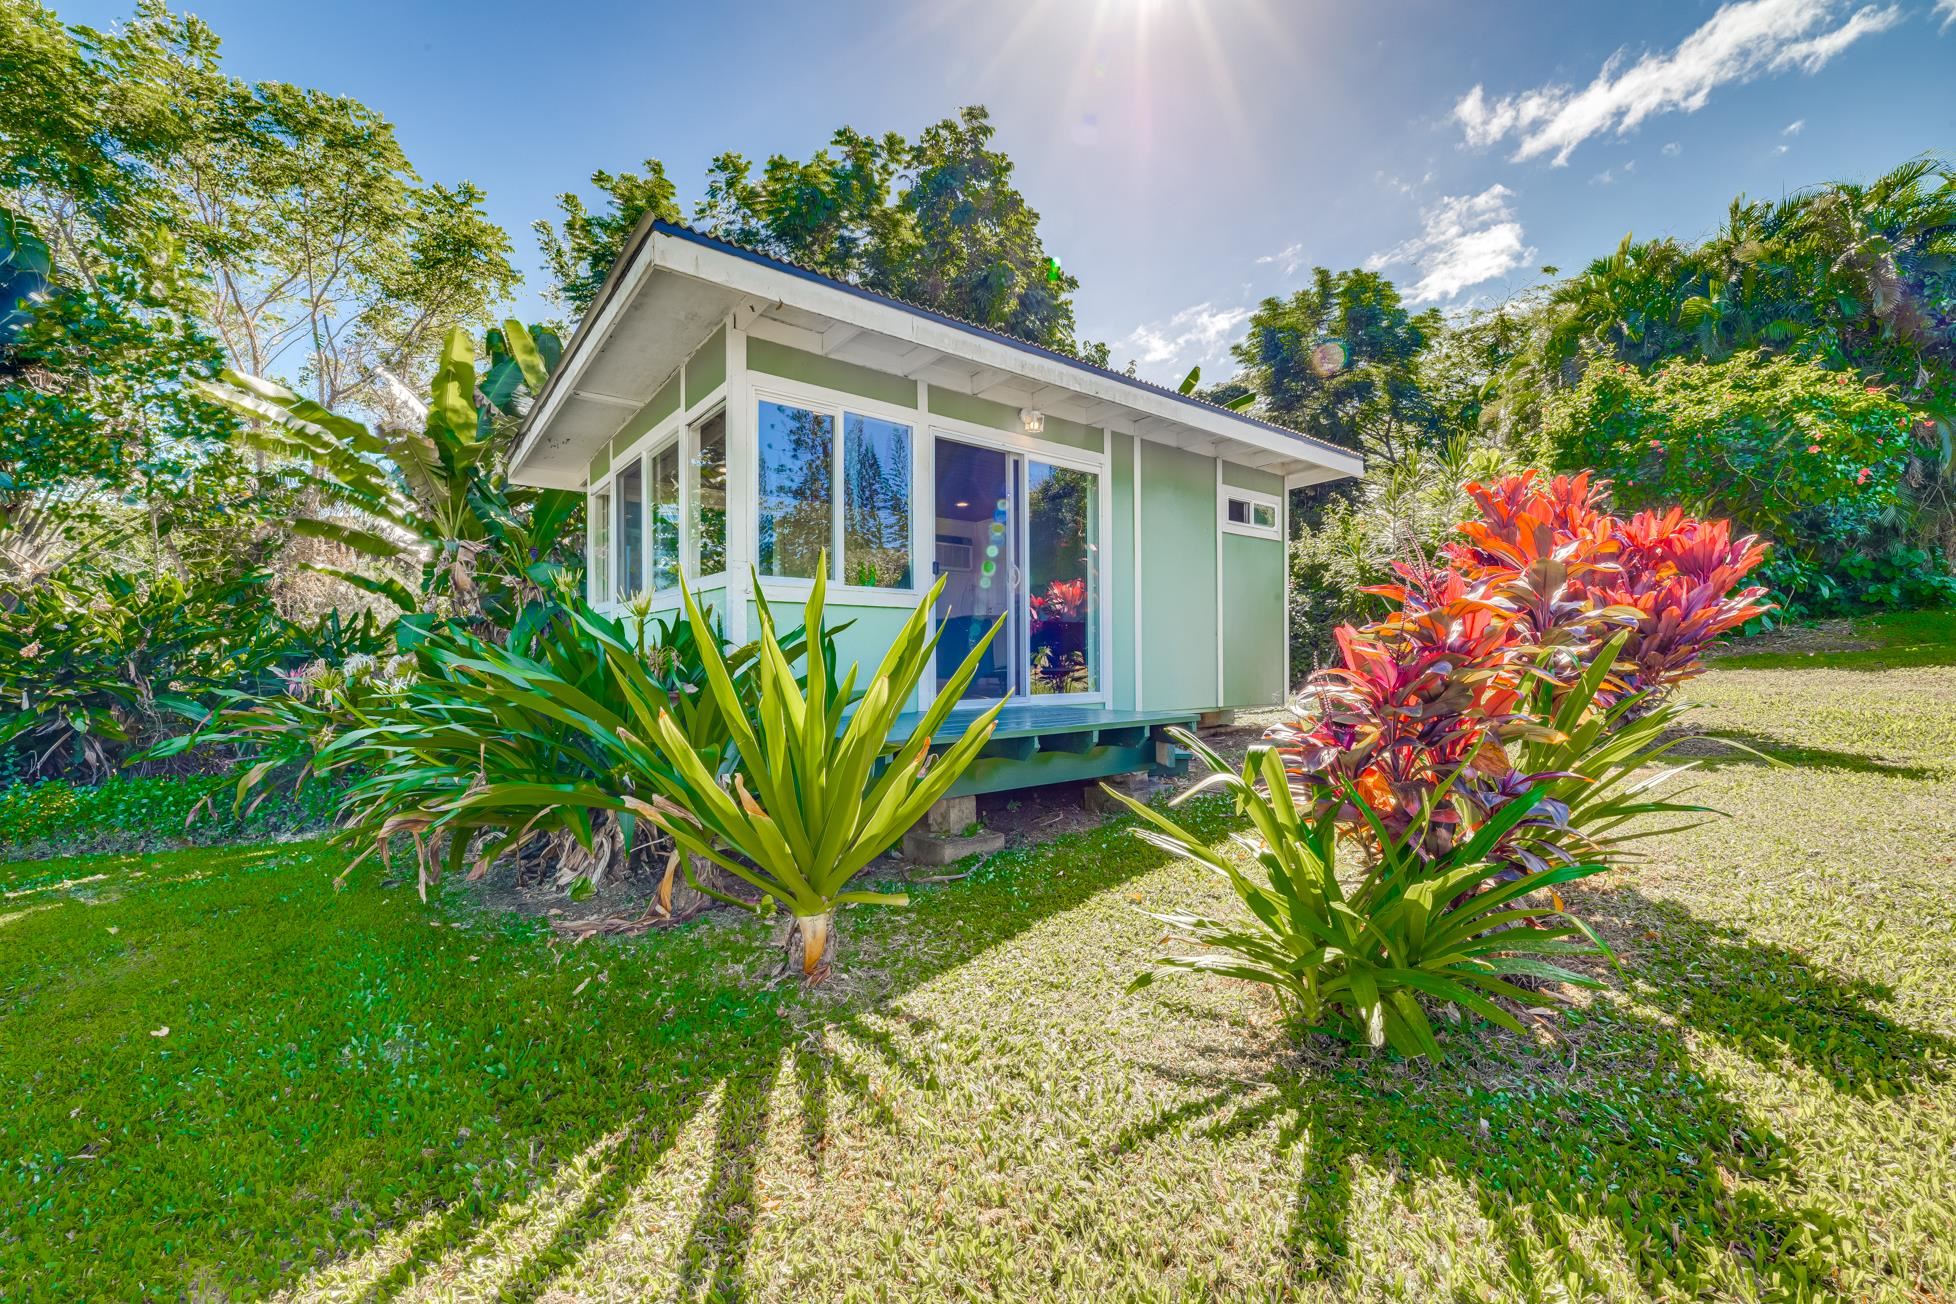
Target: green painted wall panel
x,y
1253,614
1248,477
871,630
1001,416
663,404
1120,596
1178,583
706,370
600,463
830,373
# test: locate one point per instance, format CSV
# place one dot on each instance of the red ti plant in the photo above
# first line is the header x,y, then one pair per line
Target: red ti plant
x,y
1577,573
1418,714
1419,698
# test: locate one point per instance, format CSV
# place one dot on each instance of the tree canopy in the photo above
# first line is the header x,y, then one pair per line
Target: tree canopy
x,y
936,221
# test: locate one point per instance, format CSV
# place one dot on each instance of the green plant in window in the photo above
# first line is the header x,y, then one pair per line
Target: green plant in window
x,y
817,794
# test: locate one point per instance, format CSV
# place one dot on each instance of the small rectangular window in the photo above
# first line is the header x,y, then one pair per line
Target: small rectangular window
x,y
876,503
797,448
630,531
1246,515
710,494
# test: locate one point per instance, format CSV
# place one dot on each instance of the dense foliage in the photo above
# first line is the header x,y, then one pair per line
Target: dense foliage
x,y
1796,372
935,221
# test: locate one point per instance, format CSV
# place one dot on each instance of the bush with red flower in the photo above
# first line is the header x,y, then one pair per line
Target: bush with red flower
x,y
1483,654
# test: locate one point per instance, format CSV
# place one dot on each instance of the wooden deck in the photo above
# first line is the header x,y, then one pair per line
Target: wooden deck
x,y
1035,743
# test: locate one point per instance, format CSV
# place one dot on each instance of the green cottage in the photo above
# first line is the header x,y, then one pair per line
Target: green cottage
x,y
724,410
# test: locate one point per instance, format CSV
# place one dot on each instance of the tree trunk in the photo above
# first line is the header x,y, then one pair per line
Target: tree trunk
x,y
811,945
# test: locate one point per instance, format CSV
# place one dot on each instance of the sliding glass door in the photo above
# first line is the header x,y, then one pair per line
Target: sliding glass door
x,y
977,538
1017,537
1063,572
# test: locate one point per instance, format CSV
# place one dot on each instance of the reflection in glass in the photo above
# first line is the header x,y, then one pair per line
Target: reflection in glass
x,y
1063,570
600,552
976,543
665,519
630,486
876,503
710,494
796,446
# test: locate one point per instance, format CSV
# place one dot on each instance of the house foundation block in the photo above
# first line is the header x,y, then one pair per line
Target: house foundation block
x,y
1139,785
1217,720
949,832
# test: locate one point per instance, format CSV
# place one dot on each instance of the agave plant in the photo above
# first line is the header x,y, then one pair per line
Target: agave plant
x,y
814,797
1358,960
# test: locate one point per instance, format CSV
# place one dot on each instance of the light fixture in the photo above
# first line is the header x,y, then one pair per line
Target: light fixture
x,y
1032,419
964,504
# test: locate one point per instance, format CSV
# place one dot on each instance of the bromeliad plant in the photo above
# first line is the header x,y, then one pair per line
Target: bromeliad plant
x,y
815,793
1354,957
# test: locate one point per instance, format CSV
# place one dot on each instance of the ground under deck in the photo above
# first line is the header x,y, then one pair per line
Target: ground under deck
x,y
1034,743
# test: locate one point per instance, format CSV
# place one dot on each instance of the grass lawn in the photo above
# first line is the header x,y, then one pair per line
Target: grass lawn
x,y
223,1080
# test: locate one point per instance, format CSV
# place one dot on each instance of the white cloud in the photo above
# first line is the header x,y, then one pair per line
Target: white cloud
x,y
1464,240
1799,125
1780,149
1673,149
1197,334
1947,8
1292,257
1739,42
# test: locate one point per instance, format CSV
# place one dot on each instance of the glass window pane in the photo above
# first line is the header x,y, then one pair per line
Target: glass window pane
x,y
796,489
1239,512
630,530
1264,515
710,494
599,513
1063,567
876,503
665,519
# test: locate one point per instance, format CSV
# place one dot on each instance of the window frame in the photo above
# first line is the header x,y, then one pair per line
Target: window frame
x,y
673,430
1253,499
839,406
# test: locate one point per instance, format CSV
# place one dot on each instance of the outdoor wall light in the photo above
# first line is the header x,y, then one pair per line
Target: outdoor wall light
x,y
1032,419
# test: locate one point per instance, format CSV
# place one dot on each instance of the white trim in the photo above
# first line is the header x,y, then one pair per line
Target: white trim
x,y
1138,627
838,406
1255,498
1283,621
745,276
742,468
1221,517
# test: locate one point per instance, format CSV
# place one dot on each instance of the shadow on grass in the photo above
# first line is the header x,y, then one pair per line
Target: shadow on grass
x,y
430,1101
1704,747
1622,1128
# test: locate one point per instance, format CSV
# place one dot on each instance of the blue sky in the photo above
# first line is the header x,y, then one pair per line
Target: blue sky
x,y
1188,157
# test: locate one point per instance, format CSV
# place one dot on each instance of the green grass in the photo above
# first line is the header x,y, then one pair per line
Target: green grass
x,y
362,1097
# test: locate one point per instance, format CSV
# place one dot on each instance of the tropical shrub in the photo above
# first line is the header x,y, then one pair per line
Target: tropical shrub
x,y
814,798
1549,550
475,751
1481,743
97,665
435,501
1808,455
1353,959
